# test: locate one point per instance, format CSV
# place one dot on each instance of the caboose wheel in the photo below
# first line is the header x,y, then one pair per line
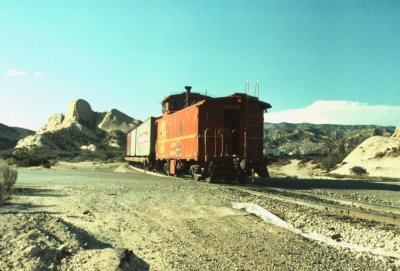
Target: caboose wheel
x,y
166,168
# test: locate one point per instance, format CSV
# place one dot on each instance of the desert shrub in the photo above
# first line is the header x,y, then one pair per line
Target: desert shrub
x,y
31,158
359,171
394,152
377,132
328,163
48,157
306,159
380,154
8,177
100,155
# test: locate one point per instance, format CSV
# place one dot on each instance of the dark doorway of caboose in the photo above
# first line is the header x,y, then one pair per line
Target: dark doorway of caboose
x,y
232,135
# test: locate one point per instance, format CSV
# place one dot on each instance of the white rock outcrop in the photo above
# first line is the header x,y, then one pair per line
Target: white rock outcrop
x,y
397,132
90,147
79,114
36,141
379,155
54,123
81,118
116,120
80,111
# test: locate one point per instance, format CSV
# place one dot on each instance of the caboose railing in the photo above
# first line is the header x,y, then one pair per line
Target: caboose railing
x,y
219,142
214,136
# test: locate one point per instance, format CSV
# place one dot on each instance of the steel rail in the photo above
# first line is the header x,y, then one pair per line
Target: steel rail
x,y
373,215
352,203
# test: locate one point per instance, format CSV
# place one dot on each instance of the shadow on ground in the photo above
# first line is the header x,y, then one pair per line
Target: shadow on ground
x,y
26,208
13,206
37,192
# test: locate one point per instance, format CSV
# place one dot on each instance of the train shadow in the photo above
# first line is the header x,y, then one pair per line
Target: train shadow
x,y
26,208
308,184
36,192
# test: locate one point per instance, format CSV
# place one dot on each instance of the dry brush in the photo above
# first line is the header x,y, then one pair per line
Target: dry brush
x,y
8,177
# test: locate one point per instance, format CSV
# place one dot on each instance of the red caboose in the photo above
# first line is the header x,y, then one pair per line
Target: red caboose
x,y
212,137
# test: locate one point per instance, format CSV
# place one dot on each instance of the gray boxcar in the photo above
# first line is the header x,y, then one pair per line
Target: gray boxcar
x,y
141,143
131,144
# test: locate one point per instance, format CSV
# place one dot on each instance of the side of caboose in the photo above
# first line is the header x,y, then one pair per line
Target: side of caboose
x,y
177,139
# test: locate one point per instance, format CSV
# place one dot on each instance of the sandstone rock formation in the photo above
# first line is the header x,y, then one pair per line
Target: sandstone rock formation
x,y
36,141
80,111
380,156
397,132
116,120
83,121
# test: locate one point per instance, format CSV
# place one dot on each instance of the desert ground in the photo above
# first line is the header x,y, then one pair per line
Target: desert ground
x,y
91,217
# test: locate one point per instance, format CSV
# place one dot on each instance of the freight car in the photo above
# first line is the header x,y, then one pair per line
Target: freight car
x,y
209,138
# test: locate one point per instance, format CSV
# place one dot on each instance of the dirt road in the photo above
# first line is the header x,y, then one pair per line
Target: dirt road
x,y
75,220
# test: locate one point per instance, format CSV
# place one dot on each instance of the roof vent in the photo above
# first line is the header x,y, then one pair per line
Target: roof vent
x,y
188,88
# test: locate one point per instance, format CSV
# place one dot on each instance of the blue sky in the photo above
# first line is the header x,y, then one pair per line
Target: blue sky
x,y
130,54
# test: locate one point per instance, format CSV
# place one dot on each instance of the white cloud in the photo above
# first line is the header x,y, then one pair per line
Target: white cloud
x,y
15,73
339,112
37,74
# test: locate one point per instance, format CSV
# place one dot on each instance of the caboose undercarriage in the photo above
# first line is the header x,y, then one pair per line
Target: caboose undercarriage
x,y
215,169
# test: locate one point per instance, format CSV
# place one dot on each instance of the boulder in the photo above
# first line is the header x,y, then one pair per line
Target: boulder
x,y
54,123
116,120
80,111
90,147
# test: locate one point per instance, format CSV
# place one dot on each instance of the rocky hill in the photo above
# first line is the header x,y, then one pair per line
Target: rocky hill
x,y
82,128
380,156
318,139
9,136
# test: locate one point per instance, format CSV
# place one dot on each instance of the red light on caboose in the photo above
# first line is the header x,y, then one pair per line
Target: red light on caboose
x,y
239,101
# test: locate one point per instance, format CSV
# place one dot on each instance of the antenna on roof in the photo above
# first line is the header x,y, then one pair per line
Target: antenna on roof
x,y
257,89
247,86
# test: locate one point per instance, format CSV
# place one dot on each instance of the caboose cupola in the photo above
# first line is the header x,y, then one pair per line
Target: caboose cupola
x,y
176,102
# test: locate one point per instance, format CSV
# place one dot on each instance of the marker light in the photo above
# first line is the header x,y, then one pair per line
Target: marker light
x,y
239,101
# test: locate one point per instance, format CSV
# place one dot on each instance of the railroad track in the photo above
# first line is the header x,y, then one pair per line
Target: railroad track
x,y
362,210
340,207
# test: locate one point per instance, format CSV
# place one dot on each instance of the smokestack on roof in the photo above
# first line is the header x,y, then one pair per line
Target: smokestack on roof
x,y
188,88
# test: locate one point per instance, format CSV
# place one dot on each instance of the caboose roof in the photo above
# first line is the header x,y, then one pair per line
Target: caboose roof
x,y
192,96
250,98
